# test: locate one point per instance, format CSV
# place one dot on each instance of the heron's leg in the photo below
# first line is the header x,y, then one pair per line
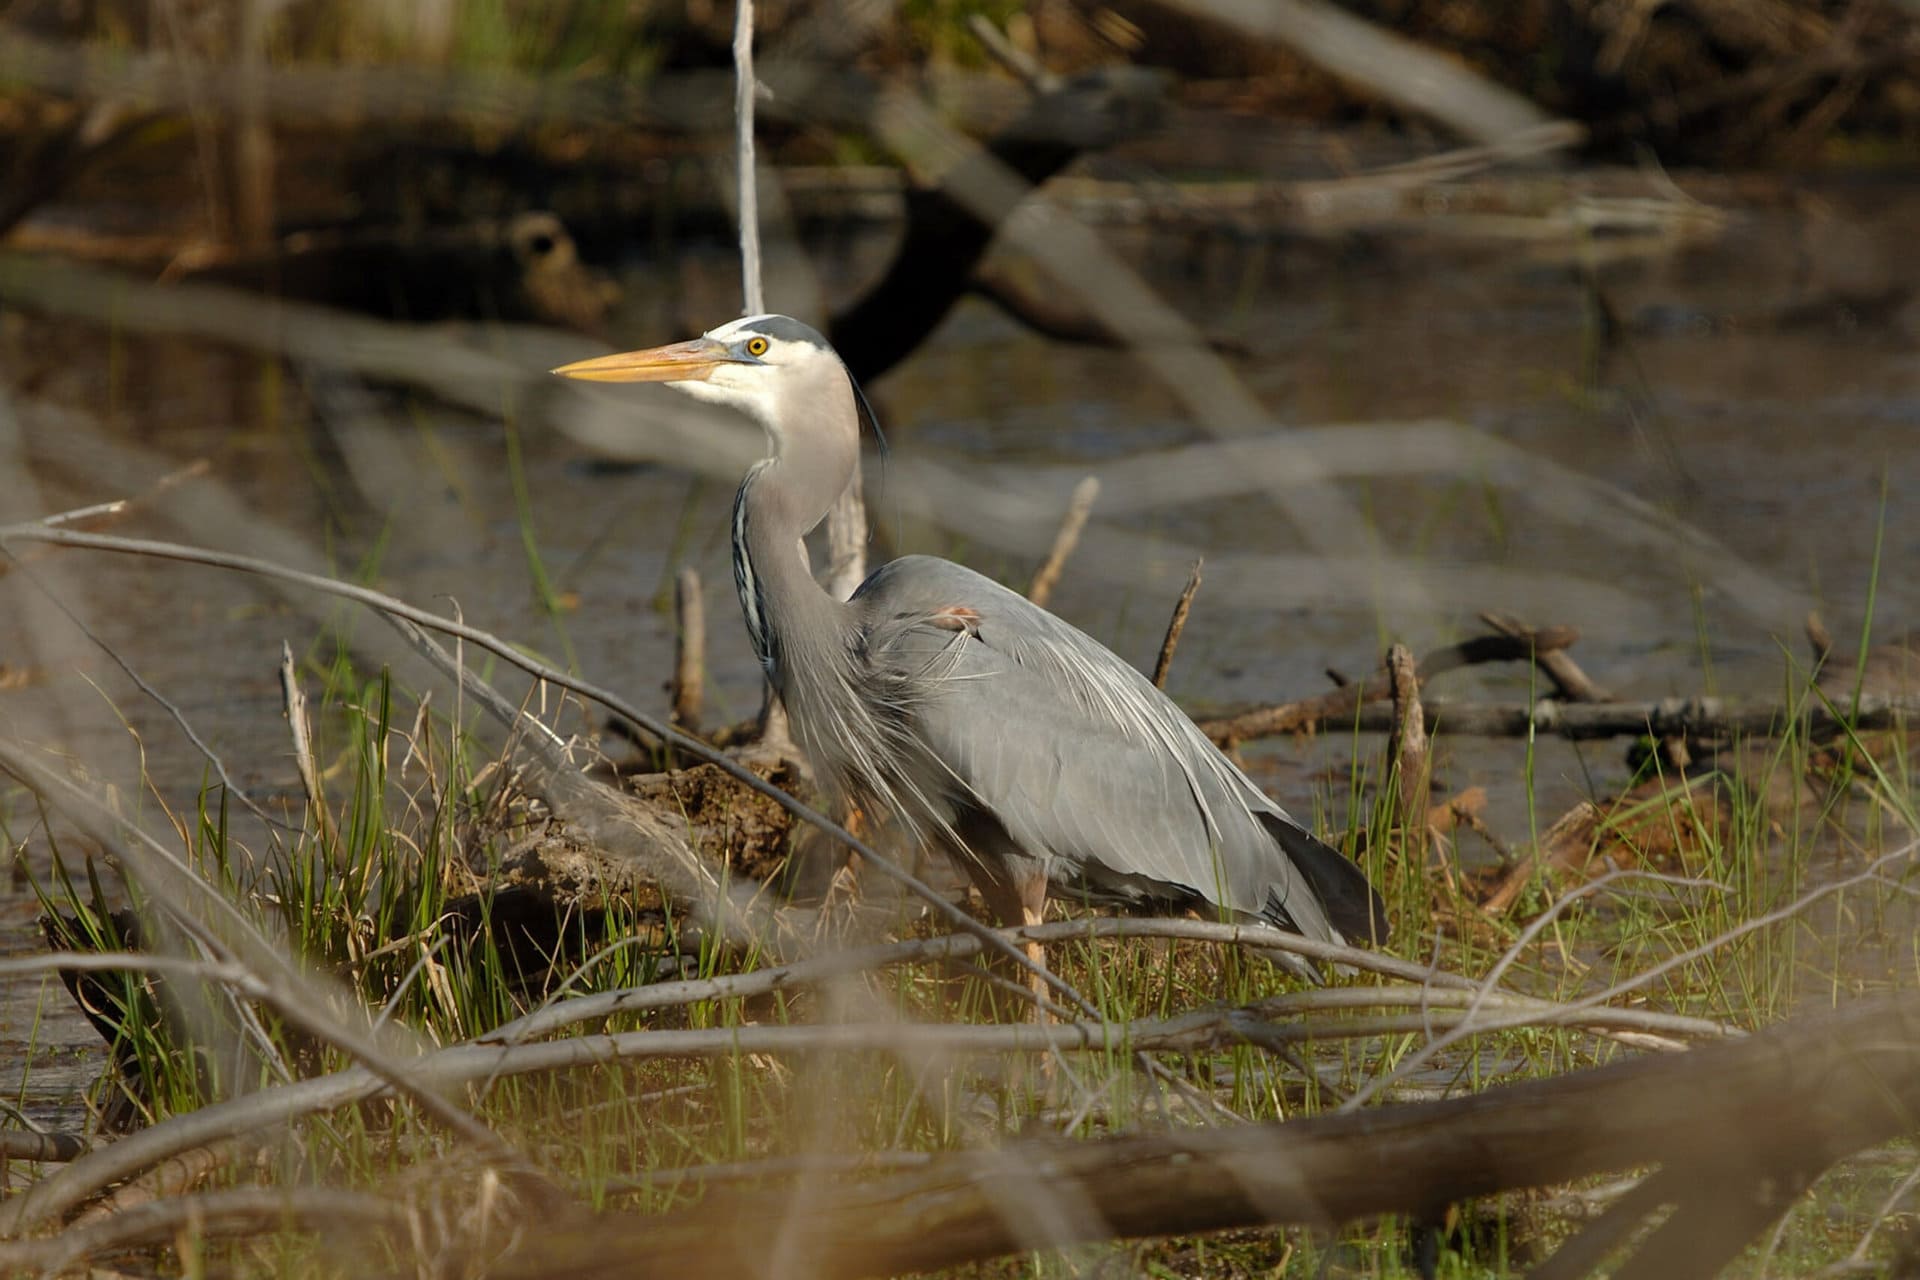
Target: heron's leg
x,y
1016,893
1033,910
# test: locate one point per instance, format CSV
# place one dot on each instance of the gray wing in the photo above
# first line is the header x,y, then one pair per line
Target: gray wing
x,y
1082,761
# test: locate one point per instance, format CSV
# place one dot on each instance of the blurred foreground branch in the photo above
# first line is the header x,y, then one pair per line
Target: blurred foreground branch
x,y
1723,1120
1391,67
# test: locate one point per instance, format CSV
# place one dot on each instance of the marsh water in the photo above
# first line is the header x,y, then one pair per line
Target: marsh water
x,y
1745,400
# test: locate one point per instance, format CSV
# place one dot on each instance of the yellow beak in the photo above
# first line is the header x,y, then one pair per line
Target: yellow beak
x,y
690,361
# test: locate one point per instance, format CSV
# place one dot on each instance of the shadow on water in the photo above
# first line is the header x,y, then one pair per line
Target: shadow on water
x,y
1759,383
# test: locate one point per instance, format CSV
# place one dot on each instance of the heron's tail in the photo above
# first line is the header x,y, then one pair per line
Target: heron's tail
x,y
1352,905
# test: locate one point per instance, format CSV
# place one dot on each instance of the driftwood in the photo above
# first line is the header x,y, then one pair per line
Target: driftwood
x,y
1338,707
1583,708
1730,1125
1662,717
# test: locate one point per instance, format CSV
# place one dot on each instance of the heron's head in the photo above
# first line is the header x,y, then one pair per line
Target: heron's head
x,y
768,367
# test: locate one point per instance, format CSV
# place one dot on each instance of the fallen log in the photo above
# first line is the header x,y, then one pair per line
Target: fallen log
x,y
1660,718
1725,1123
1337,706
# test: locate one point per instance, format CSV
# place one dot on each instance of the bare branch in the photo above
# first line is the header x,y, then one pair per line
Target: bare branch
x,y
1078,507
1340,705
1573,683
1386,65
1175,625
744,88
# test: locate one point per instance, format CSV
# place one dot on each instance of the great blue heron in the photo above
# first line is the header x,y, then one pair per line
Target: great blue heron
x,y
976,720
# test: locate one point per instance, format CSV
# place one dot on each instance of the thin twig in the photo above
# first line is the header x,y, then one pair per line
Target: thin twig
x,y
1385,64
1413,1061
1075,519
1859,1255
166,704
744,88
818,969
103,514
1175,625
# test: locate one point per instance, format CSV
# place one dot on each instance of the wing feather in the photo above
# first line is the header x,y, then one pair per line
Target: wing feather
x,y
1083,762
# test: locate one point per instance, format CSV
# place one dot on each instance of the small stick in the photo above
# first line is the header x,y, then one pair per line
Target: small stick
x,y
1175,625
1078,508
109,513
1408,747
1819,637
296,705
1550,653
690,648
105,515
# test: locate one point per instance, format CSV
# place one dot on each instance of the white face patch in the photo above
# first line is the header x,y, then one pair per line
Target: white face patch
x,y
796,360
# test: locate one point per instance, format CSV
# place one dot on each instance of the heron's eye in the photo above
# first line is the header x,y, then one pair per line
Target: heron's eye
x,y
756,347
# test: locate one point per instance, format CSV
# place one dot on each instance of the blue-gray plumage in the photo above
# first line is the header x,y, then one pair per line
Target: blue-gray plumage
x,y
975,720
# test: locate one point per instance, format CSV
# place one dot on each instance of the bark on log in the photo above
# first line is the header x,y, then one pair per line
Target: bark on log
x,y
1731,1117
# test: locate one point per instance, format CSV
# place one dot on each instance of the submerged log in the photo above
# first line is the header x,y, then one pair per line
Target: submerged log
x,y
1724,1122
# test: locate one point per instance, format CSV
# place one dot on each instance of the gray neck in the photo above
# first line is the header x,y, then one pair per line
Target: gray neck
x,y
794,624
